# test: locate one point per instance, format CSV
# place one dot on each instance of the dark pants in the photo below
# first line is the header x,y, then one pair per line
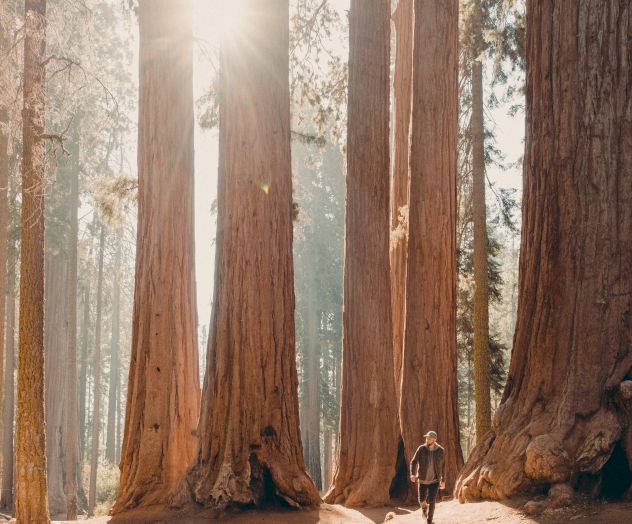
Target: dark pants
x,y
428,493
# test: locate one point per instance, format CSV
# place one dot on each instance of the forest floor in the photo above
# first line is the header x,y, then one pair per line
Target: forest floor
x,y
448,512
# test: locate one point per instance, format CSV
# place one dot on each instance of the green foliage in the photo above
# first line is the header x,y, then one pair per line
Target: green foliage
x,y
494,29
318,79
318,75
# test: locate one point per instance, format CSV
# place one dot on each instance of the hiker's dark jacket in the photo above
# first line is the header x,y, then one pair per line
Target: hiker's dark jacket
x,y
421,459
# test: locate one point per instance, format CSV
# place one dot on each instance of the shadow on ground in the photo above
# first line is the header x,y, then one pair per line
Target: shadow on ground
x,y
447,512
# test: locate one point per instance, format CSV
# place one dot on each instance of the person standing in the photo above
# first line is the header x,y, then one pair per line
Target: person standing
x,y
426,468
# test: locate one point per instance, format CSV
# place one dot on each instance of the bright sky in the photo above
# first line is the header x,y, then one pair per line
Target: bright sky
x,y
211,19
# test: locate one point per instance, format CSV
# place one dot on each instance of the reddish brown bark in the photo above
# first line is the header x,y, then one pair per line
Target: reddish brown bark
x,y
429,398
369,430
250,445
402,88
31,501
163,396
570,379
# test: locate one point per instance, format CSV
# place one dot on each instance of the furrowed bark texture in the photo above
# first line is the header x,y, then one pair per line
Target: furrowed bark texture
x,y
402,87
369,427
566,405
31,503
429,400
163,398
250,445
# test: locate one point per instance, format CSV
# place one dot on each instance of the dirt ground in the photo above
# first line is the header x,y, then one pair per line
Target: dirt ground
x,y
449,512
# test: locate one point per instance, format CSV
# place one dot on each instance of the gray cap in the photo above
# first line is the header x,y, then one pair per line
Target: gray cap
x,y
431,434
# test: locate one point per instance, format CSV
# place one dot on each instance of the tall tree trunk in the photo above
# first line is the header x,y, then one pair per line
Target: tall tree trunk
x,y
480,309
250,445
468,442
4,189
55,370
6,495
329,459
115,368
566,405
311,426
4,223
71,437
402,87
31,503
96,398
83,370
429,400
163,394
119,425
368,414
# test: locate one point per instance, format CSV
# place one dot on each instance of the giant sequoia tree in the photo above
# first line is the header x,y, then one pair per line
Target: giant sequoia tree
x,y
250,448
367,451
565,415
31,502
402,88
163,393
429,398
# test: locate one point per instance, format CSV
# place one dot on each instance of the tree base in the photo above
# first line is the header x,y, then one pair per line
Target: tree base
x,y
261,484
530,455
